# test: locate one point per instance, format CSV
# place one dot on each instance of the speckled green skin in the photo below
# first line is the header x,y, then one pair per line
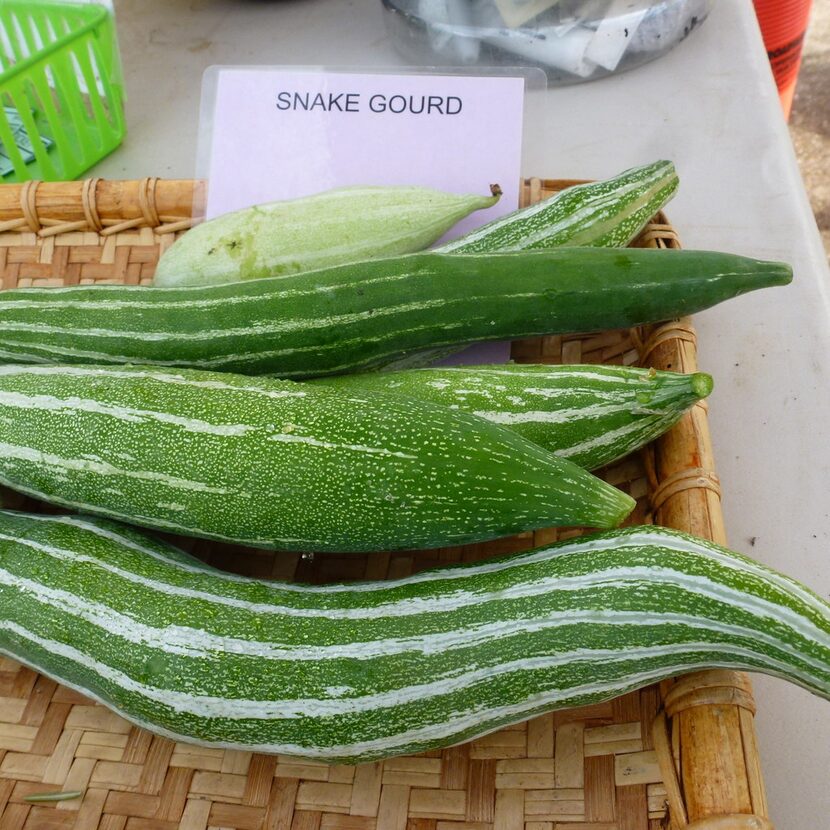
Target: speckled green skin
x,y
350,673
367,315
608,214
591,415
331,228
281,465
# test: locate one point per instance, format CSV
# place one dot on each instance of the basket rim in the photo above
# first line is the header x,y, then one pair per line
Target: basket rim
x,y
124,206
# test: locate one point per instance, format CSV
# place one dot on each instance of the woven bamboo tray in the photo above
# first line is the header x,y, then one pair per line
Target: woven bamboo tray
x,y
682,754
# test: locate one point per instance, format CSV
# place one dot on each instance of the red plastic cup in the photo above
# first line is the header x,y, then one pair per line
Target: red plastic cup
x,y
783,26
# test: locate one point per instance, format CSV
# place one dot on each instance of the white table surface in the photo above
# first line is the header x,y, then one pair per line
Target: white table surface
x,y
710,105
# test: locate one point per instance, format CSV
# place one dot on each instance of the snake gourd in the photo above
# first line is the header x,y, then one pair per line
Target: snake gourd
x,y
370,314
591,415
356,672
346,224
279,464
607,213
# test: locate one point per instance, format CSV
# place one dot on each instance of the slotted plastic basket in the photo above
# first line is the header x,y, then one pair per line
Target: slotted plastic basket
x,y
60,81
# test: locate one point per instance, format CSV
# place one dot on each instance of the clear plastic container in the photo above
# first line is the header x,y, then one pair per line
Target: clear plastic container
x,y
571,40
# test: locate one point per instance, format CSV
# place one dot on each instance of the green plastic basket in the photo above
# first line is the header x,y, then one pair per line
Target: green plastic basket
x,y
60,77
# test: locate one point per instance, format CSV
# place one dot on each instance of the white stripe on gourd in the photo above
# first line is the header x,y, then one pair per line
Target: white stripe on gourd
x,y
130,539
212,706
175,639
256,328
220,382
576,622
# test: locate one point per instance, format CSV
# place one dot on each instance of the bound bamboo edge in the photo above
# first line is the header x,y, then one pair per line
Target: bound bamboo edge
x,y
688,499
100,206
107,206
712,710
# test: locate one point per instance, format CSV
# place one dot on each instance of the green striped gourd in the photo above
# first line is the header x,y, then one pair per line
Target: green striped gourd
x,y
350,673
281,465
607,213
592,415
366,315
344,225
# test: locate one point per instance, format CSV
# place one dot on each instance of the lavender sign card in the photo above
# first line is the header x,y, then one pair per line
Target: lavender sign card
x,y
271,133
